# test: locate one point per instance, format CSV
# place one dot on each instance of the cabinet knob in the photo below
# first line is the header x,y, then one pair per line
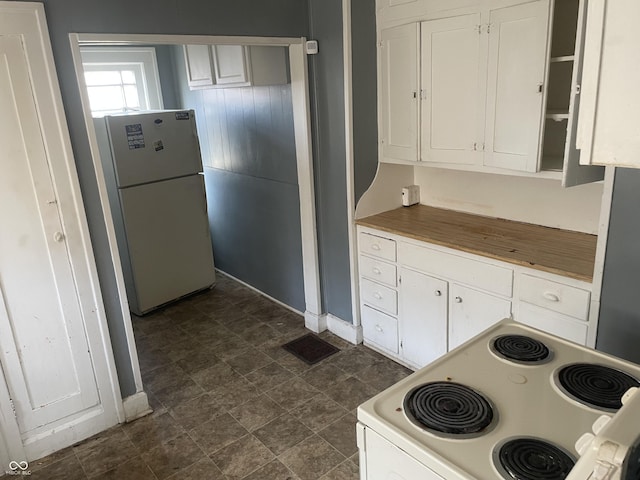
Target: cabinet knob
x,y
552,297
379,329
437,293
377,296
376,270
458,299
375,247
58,236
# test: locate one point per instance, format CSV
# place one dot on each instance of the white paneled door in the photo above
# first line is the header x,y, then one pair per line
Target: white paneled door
x,y
57,370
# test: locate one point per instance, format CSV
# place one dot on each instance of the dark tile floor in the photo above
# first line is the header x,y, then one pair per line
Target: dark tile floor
x,y
230,403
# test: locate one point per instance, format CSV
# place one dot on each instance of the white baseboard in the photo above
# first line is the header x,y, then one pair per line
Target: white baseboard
x,y
345,330
136,406
315,323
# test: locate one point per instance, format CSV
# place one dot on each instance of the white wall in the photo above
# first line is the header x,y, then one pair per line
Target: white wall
x,y
530,200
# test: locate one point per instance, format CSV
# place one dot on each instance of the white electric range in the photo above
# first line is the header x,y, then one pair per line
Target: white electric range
x,y
511,404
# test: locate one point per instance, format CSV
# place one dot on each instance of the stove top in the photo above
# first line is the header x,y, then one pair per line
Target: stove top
x,y
493,400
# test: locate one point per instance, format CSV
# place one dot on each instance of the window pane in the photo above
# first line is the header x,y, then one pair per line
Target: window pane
x,y
106,77
128,77
131,96
106,98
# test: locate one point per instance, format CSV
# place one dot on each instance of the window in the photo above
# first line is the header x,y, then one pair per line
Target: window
x,y
121,79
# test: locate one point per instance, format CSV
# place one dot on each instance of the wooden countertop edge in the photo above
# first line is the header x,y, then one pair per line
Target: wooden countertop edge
x,y
454,246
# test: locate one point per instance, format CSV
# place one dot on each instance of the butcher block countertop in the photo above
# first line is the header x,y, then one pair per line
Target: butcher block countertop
x,y
562,252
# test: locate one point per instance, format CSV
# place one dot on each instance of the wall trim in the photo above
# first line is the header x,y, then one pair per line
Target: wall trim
x,y
136,406
349,155
314,322
341,328
345,330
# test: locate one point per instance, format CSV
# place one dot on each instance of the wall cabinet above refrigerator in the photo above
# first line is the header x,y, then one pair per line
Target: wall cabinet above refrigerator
x,y
224,66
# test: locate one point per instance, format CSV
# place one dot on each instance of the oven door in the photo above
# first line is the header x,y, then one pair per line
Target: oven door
x,y
381,460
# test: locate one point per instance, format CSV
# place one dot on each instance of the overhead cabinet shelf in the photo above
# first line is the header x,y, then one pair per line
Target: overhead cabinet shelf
x,y
477,91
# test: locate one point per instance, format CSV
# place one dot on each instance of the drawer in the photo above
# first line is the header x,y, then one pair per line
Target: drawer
x,y
484,276
553,322
555,296
377,246
380,329
379,296
376,270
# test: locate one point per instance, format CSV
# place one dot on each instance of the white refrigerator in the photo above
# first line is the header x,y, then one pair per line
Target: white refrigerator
x,y
153,171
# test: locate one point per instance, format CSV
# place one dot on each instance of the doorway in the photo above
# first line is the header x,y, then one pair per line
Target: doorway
x,y
299,95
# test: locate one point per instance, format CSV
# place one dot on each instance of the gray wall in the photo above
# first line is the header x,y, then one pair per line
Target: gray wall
x,y
364,77
329,156
247,140
619,323
212,17
167,74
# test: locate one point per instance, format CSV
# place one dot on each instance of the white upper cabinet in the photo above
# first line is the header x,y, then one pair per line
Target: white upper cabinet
x,y
609,120
515,82
230,64
199,66
398,58
499,86
452,101
223,66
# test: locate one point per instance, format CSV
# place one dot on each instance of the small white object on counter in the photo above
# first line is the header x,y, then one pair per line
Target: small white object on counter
x,y
410,195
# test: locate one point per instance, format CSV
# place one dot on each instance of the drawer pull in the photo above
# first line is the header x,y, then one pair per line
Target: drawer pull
x,y
379,329
375,247
437,293
458,299
376,271
552,297
377,296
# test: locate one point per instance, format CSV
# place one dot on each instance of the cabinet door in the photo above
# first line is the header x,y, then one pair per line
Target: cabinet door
x,y
452,101
199,67
399,92
230,64
609,115
471,312
423,317
573,173
515,82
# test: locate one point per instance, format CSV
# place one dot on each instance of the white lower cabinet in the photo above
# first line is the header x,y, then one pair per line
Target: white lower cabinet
x,y
443,297
472,311
423,310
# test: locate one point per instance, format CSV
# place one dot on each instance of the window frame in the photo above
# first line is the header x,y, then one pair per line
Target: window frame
x,y
141,60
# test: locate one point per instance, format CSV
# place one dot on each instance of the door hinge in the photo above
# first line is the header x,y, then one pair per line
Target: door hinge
x,y
578,89
488,28
13,407
479,29
401,344
399,280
